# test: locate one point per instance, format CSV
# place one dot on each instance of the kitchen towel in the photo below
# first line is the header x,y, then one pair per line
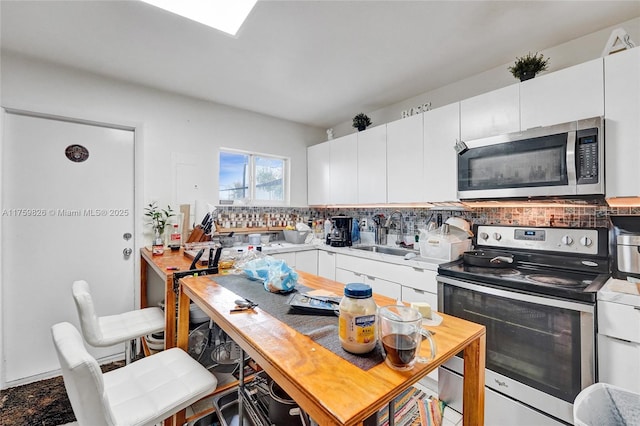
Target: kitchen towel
x,y
322,329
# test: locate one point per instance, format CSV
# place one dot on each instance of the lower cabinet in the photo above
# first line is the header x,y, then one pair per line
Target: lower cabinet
x,y
306,261
327,264
619,345
378,285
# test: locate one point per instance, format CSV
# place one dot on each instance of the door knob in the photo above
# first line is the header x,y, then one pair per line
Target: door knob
x,y
127,252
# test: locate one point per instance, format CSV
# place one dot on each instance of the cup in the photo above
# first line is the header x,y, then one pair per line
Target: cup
x,y
400,332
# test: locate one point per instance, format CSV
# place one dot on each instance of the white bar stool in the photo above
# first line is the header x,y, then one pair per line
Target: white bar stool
x,y
141,393
112,329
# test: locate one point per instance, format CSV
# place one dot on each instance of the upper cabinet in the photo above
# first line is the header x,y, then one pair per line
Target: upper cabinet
x,y
318,174
566,95
622,123
441,131
372,165
490,114
404,160
344,170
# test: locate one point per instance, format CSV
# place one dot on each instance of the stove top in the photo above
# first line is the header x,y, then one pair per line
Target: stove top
x,y
556,262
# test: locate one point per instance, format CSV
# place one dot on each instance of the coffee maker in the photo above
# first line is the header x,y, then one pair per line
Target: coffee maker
x,y
340,235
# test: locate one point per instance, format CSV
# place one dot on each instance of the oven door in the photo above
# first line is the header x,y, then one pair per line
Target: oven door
x,y
540,350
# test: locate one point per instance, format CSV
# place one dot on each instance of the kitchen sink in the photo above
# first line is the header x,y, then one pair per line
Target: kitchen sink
x,y
395,251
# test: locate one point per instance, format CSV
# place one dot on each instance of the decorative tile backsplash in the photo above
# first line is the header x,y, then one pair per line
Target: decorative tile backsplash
x,y
579,215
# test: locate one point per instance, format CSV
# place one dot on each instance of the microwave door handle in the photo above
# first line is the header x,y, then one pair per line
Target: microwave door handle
x,y
571,159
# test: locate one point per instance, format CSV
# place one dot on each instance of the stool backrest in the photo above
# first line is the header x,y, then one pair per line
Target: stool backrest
x,y
87,313
82,377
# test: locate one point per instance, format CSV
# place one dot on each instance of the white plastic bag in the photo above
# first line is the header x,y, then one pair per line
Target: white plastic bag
x,y
275,274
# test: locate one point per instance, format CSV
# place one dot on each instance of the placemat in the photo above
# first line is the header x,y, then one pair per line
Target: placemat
x,y
322,329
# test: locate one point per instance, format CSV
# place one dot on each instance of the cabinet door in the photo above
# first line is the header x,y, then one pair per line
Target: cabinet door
x,y
384,287
289,258
619,362
492,113
307,261
372,165
404,160
441,131
410,294
622,126
378,285
327,264
570,94
318,174
344,170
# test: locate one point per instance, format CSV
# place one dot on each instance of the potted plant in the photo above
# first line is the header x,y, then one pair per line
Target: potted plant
x,y
528,66
158,220
361,122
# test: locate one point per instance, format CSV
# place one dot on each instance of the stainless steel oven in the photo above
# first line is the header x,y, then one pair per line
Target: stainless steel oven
x,y
540,315
562,160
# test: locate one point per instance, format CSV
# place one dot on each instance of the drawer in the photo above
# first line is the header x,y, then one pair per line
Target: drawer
x,y
619,321
420,279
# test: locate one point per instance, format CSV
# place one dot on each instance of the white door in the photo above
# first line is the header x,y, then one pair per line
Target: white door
x,y
62,220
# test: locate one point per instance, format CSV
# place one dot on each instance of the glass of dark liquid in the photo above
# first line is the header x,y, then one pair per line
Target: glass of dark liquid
x,y
400,332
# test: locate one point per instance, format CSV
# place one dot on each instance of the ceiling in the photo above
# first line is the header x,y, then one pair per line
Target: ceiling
x,y
312,62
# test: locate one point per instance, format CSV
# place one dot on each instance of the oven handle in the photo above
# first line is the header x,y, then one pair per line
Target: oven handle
x,y
547,301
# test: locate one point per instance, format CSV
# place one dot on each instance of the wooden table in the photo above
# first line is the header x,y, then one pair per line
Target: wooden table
x,y
327,387
159,265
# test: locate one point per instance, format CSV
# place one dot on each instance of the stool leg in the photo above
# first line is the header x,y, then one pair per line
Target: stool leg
x,y
130,351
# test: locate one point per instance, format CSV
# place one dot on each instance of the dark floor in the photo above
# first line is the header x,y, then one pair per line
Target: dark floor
x,y
42,403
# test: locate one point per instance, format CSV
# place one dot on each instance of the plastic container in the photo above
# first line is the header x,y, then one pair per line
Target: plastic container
x,y
254,239
296,237
602,404
358,319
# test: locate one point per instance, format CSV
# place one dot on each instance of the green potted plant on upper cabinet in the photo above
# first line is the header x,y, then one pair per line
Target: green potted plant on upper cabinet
x,y
361,122
528,66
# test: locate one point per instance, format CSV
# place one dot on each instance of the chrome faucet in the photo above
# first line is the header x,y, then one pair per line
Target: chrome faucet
x,y
400,238
381,230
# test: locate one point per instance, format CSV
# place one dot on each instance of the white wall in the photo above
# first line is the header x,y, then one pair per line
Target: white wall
x,y
170,129
173,126
562,56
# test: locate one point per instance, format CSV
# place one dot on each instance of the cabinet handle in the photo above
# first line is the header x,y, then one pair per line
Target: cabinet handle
x,y
618,339
418,291
370,277
637,308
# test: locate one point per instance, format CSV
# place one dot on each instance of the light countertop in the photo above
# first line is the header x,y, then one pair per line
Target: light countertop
x,y
620,291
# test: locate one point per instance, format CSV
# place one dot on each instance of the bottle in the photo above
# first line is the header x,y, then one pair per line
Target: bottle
x,y
358,320
327,227
157,248
175,238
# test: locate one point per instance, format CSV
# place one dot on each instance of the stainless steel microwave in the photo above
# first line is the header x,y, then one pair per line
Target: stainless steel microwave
x,y
563,160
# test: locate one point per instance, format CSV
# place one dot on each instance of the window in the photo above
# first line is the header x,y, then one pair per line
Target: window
x,y
251,178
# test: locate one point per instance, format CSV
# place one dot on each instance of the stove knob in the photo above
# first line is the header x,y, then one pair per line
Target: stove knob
x,y
484,236
567,240
586,241
497,236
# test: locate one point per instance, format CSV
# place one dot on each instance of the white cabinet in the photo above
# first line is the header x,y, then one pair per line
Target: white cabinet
x,y
391,279
441,131
318,174
372,165
344,170
492,113
306,261
622,124
404,160
378,285
327,264
569,94
619,345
